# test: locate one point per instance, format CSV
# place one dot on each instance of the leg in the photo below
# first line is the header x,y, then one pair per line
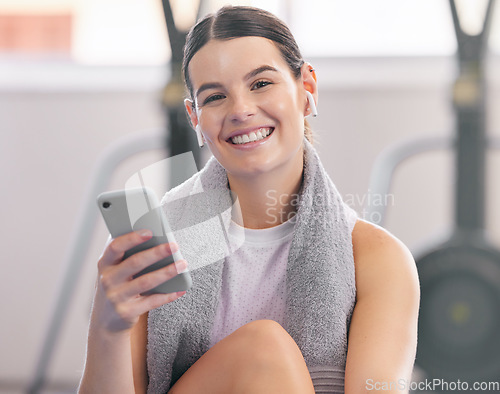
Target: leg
x,y
260,357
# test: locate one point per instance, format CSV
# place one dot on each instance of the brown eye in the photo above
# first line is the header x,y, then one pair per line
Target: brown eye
x,y
213,97
260,84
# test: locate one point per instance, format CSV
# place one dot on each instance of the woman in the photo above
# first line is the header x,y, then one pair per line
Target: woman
x,y
314,298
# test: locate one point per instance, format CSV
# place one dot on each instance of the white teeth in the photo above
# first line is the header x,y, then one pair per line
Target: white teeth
x,y
252,136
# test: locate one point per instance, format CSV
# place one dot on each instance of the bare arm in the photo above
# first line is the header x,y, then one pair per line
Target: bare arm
x,y
139,341
383,330
115,361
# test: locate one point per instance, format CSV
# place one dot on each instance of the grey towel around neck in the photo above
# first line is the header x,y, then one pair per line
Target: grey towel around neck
x,y
321,291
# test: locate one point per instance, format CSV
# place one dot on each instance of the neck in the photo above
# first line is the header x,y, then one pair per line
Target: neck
x,y
268,199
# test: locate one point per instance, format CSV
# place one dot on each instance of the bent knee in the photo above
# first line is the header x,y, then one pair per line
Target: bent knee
x,y
263,330
266,338
262,325
265,347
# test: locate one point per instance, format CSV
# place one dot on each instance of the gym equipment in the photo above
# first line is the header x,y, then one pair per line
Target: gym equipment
x,y
459,323
183,138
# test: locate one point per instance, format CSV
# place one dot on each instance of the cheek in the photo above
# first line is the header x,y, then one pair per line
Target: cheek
x,y
208,120
288,107
283,104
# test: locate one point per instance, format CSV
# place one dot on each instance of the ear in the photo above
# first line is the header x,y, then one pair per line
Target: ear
x,y
309,80
191,111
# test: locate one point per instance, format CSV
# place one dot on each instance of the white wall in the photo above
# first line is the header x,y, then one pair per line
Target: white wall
x,y
56,122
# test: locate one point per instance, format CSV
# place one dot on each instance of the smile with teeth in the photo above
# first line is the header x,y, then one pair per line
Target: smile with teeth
x,y
258,135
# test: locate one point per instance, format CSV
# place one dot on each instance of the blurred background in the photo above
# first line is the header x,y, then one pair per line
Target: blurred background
x,y
78,75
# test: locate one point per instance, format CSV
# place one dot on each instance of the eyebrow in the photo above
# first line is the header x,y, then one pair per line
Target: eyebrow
x,y
206,86
259,70
251,74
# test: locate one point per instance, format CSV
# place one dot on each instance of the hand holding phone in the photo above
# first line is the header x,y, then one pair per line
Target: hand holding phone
x,y
130,210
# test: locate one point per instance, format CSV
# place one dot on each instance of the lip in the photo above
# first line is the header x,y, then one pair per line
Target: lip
x,y
249,145
246,131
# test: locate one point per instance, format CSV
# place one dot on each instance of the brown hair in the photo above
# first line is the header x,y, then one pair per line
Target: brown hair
x,y
241,21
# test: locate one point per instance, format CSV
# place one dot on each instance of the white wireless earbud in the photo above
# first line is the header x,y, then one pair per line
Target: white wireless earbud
x,y
199,136
312,104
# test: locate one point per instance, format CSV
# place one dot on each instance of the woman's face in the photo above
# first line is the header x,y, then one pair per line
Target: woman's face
x,y
243,88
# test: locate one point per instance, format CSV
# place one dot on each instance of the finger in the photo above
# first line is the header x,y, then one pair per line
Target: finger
x,y
145,304
114,251
150,280
137,262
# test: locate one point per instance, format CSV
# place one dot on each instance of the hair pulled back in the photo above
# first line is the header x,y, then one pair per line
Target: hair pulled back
x,y
240,21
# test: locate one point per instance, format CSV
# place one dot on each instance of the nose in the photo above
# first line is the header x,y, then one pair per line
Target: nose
x,y
242,108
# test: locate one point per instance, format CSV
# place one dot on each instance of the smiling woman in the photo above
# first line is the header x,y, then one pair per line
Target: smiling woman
x,y
313,298
255,92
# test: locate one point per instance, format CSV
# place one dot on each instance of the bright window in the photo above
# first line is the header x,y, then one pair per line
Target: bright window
x,y
133,32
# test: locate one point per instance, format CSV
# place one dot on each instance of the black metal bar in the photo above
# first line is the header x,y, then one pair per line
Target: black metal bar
x,y
181,138
470,109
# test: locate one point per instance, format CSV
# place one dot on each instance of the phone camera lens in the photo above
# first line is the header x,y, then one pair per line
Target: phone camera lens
x,y
106,204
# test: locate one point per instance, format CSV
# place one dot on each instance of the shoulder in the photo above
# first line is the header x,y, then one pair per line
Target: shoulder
x,y
382,261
